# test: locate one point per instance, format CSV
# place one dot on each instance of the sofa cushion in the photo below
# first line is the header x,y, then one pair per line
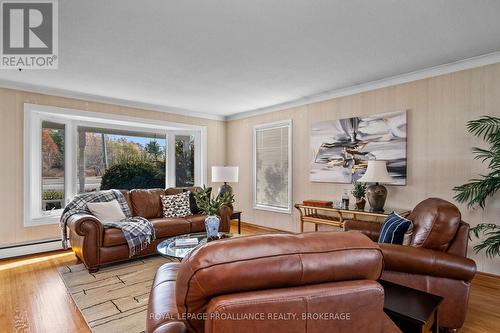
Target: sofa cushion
x,y
176,205
197,222
172,226
192,201
147,203
126,194
106,211
163,228
435,224
174,190
394,229
113,237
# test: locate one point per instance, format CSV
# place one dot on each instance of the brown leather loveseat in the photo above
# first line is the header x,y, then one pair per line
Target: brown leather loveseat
x,y
436,260
293,283
96,246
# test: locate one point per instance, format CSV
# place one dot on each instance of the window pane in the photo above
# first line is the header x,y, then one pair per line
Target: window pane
x,y
52,166
271,169
184,160
111,159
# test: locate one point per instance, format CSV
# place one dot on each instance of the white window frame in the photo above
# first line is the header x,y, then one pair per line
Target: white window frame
x,y
34,115
274,125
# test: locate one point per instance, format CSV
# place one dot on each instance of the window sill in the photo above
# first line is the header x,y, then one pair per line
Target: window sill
x,y
273,209
43,220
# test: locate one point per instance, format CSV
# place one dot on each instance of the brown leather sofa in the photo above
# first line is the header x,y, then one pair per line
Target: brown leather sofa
x,y
96,246
435,262
293,283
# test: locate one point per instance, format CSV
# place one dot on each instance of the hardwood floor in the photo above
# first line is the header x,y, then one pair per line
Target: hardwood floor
x,y
33,297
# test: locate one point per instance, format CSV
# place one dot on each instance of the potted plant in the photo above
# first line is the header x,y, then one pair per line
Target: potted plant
x,y
359,191
478,190
210,206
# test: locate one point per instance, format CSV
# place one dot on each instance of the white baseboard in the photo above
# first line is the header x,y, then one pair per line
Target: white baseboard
x,y
25,249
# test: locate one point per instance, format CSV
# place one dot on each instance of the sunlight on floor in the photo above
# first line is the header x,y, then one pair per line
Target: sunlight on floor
x,y
30,261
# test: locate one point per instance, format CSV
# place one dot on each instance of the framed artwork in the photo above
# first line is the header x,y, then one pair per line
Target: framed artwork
x,y
341,148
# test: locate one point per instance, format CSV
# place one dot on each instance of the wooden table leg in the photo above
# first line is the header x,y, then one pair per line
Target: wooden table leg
x,y
435,328
239,224
316,227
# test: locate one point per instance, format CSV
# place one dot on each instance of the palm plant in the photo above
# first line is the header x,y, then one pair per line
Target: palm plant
x,y
478,190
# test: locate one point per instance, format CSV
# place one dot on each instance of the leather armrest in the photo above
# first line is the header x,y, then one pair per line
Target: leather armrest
x,y
86,225
86,233
171,327
225,218
418,260
370,229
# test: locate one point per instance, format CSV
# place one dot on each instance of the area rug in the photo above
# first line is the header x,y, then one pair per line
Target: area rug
x,y
114,299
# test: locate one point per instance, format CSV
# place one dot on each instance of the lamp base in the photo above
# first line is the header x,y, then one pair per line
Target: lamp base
x,y
376,195
225,188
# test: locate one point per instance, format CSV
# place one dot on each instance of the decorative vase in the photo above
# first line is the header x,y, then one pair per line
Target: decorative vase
x,y
212,226
360,203
376,195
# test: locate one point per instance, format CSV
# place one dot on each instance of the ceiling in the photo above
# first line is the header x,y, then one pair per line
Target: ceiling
x,y
221,58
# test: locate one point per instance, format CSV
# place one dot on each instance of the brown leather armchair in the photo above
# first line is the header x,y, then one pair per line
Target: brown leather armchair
x,y
95,245
312,282
435,261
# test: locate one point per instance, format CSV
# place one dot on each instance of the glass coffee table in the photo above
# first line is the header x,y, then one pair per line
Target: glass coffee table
x,y
169,248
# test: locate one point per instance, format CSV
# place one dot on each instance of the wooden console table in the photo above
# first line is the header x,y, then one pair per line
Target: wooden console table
x,y
336,216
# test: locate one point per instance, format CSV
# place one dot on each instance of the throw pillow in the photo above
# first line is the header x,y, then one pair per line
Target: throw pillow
x,y
106,211
192,202
176,205
394,229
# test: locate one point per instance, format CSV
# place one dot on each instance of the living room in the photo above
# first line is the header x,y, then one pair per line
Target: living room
x,y
231,166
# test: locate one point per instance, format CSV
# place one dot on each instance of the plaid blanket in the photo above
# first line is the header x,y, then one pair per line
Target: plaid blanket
x,y
138,231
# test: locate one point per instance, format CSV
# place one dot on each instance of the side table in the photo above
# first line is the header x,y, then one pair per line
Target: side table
x,y
236,215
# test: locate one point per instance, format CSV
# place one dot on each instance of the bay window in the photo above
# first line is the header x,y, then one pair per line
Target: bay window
x,y
70,151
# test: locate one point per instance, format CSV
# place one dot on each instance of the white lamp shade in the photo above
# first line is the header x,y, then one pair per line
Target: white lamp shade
x,y
376,172
224,174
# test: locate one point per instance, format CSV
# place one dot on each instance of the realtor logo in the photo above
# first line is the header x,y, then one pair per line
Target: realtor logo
x,y
29,35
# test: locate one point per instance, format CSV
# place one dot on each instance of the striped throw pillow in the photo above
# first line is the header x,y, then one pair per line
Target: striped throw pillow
x,y
394,229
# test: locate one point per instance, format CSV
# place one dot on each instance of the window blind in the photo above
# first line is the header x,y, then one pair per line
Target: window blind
x,y
272,167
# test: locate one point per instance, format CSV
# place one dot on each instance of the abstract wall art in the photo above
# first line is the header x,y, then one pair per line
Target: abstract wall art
x,y
341,148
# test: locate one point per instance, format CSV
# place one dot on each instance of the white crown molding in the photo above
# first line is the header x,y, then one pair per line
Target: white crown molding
x,y
482,60
104,99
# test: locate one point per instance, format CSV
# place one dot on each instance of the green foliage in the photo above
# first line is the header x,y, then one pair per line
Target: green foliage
x,y
154,150
127,175
478,190
52,195
58,137
358,190
210,205
492,241
184,163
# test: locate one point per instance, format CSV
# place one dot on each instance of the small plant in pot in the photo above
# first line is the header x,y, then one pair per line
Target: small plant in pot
x,y
359,191
211,206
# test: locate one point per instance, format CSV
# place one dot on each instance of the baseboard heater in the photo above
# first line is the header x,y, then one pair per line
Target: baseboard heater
x,y
30,248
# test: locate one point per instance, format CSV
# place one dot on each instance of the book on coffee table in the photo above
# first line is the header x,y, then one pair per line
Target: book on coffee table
x,y
186,242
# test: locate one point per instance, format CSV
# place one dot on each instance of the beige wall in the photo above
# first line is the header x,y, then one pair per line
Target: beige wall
x,y
439,154
439,147
12,230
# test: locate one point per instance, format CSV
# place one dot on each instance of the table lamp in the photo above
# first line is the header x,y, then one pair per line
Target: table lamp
x,y
376,172
225,174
